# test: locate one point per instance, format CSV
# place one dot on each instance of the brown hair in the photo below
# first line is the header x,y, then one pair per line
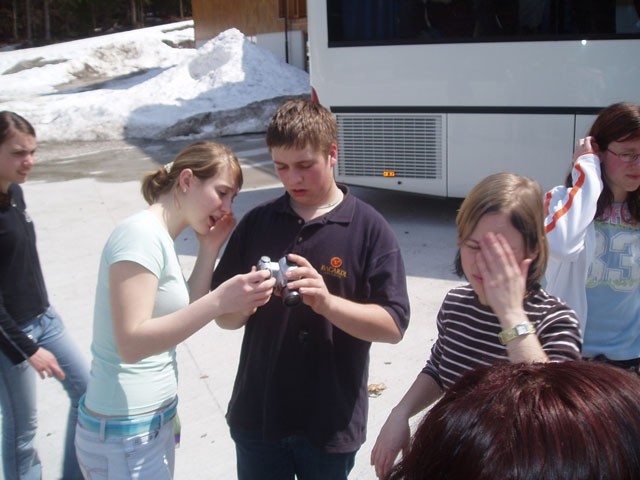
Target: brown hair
x,y
521,199
301,123
573,420
619,122
11,122
204,159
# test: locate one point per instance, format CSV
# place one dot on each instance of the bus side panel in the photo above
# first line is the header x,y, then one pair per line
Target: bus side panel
x,y
563,74
403,152
538,146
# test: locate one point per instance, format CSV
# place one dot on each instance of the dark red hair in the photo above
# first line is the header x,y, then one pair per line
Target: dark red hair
x,y
553,421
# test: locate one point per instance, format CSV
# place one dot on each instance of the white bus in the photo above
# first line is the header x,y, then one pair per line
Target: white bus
x,y
433,95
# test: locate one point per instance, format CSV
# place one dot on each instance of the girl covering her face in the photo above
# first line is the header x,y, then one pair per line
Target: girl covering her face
x,y
502,314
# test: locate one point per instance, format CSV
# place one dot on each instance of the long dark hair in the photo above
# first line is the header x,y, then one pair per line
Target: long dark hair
x,y
619,122
555,421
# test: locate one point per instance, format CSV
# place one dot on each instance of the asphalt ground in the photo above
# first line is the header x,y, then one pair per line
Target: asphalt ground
x,y
76,195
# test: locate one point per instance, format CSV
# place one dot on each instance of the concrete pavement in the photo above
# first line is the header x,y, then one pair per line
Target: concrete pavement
x,y
77,194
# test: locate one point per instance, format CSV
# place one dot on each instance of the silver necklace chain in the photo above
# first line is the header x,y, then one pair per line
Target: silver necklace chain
x,y
295,204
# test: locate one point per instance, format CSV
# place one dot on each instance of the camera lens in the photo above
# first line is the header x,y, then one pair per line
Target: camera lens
x,y
291,298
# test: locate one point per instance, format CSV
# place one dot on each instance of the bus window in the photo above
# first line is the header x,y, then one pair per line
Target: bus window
x,y
402,21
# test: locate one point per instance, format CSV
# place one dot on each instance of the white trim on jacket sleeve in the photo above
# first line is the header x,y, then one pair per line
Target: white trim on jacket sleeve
x,y
569,211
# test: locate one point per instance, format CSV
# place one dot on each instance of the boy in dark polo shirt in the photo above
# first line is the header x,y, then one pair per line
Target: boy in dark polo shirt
x,y
299,403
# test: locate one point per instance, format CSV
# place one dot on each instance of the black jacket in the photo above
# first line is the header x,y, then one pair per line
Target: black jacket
x,y
23,294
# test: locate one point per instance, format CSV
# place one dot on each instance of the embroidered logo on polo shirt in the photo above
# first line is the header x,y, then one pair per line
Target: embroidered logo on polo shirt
x,y
333,268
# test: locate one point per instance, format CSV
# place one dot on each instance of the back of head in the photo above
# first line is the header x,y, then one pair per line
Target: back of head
x,y
518,197
12,122
553,421
205,159
301,123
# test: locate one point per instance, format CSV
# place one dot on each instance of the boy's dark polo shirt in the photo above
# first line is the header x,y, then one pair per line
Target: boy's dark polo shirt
x,y
298,374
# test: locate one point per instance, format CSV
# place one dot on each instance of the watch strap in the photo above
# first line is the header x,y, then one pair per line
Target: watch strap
x,y
516,331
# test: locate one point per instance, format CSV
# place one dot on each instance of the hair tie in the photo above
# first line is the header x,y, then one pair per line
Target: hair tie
x,y
167,167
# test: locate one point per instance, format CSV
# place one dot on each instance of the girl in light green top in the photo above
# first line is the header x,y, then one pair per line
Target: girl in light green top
x,y
144,307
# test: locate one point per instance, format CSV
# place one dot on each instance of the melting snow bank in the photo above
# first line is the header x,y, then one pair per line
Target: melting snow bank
x,y
228,86
252,118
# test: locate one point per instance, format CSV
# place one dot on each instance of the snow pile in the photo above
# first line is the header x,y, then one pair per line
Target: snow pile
x,y
139,85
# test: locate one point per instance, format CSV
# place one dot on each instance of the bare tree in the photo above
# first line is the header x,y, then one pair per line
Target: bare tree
x,y
141,12
137,12
27,5
134,13
15,19
47,22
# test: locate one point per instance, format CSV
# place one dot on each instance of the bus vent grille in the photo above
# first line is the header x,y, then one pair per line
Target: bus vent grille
x,y
405,146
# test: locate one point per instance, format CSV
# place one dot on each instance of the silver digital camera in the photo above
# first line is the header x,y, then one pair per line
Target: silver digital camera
x,y
290,298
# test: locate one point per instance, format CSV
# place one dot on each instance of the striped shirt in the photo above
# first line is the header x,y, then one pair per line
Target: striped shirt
x,y
468,333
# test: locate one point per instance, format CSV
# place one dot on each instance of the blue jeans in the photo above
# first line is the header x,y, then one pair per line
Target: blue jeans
x,y
18,399
287,459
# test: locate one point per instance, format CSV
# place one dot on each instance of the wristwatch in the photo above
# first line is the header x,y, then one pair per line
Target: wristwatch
x,y
509,334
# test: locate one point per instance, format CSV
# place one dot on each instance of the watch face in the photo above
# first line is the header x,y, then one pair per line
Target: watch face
x,y
509,334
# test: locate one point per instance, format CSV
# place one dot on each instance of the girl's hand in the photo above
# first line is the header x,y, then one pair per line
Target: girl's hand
x,y
219,233
504,280
585,145
244,293
394,437
45,363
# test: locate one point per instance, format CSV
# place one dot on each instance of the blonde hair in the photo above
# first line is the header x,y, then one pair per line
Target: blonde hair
x,y
521,200
205,159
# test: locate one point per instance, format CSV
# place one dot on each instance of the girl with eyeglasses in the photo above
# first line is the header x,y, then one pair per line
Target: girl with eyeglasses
x,y
593,228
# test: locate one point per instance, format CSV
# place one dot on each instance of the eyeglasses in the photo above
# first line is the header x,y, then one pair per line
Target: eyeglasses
x,y
626,157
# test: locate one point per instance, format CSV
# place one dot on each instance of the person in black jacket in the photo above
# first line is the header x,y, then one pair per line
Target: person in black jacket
x,y
31,332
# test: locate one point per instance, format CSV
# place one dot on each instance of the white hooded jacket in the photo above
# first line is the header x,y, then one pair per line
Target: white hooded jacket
x,y
571,235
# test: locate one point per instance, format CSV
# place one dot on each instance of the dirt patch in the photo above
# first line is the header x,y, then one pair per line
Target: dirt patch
x,y
32,63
